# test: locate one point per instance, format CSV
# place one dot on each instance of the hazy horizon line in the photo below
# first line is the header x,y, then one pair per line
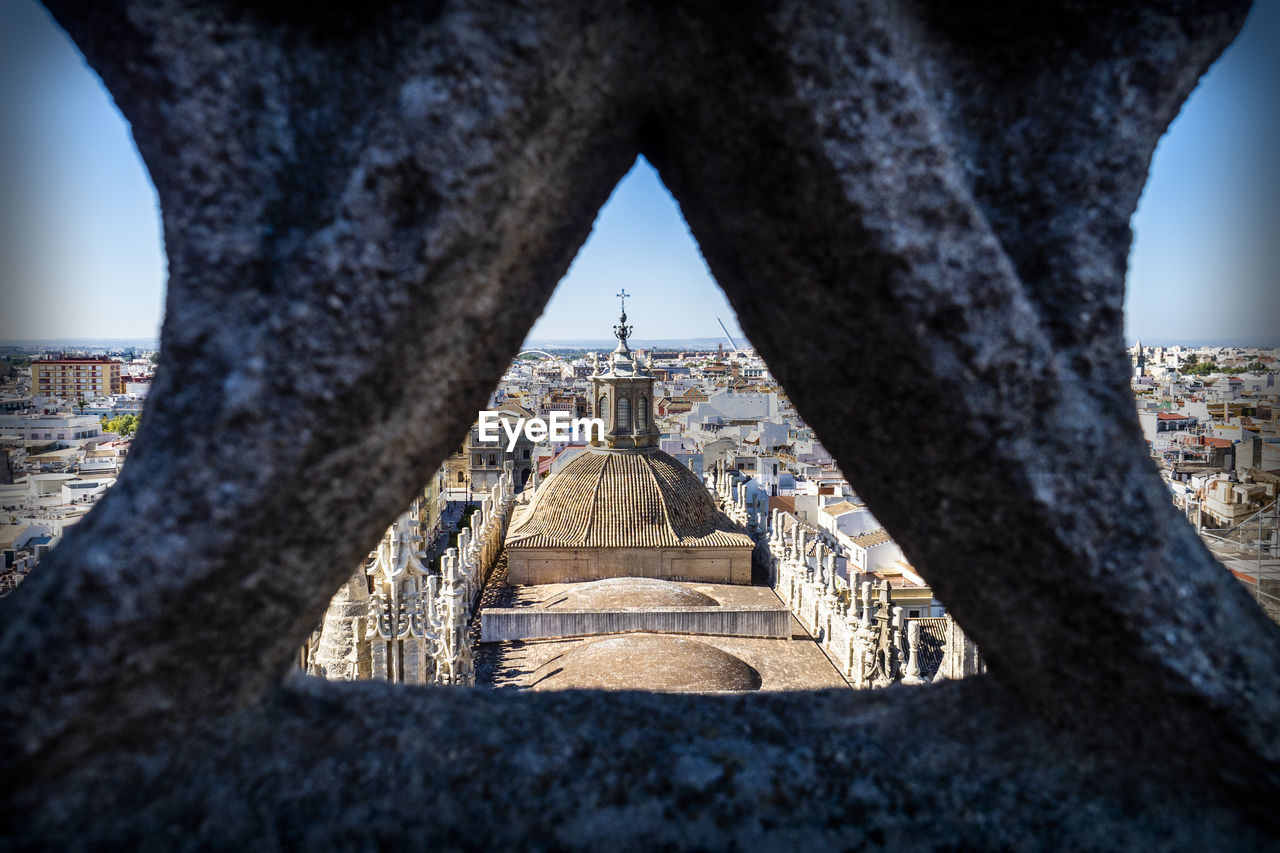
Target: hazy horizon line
x,y
1161,341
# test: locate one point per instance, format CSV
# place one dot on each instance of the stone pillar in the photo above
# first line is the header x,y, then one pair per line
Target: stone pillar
x,y
829,573
894,665
454,663
829,599
863,640
911,675
463,554
851,649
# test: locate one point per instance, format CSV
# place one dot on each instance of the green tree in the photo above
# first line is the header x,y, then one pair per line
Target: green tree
x,y
12,365
123,425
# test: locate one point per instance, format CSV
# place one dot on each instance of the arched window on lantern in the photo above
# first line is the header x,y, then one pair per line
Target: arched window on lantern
x,y
642,413
624,414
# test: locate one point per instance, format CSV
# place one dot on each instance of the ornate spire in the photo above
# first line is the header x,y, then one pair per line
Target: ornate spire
x,y
622,387
622,331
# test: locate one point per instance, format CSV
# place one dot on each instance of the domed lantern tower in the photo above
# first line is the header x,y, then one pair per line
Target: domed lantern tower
x,y
622,507
622,394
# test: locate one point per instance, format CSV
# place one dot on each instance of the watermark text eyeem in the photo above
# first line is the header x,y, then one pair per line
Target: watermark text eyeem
x,y
558,427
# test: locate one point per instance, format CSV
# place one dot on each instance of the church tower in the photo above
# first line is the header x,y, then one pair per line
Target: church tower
x,y
1140,367
622,394
622,508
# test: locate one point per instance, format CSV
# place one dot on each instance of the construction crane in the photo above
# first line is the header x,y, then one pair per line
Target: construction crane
x,y
727,335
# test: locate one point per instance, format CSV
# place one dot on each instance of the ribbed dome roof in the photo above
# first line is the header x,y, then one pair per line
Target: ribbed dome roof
x,y
614,593
650,662
624,499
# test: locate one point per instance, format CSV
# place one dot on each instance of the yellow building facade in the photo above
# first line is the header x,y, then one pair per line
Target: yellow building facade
x,y
75,378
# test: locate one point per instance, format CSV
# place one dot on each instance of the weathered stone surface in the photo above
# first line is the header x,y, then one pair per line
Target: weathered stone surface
x,y
365,765
366,207
659,662
628,592
888,175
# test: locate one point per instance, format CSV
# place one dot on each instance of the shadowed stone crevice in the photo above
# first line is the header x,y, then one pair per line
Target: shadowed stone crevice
x,y
921,219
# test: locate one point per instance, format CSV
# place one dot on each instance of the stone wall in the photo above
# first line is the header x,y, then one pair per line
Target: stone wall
x,y
487,532
525,623
339,649
365,208
960,656
554,565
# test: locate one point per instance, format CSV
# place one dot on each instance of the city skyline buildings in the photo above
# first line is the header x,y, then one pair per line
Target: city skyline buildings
x,y
84,256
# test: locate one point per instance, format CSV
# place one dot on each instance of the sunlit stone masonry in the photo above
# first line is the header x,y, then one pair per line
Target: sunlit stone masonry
x,y
397,618
865,636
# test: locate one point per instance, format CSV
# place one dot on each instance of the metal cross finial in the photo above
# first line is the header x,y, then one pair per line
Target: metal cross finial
x,y
622,331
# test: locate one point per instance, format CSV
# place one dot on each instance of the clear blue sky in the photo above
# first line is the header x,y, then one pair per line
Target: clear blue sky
x,y
83,254
1205,261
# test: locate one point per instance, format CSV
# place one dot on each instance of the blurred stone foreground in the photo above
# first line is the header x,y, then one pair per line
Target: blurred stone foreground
x,y
920,214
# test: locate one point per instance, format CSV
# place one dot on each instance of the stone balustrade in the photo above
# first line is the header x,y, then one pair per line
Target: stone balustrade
x,y
866,637
501,624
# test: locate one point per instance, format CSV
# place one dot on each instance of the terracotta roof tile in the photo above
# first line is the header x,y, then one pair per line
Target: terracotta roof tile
x,y
875,537
624,499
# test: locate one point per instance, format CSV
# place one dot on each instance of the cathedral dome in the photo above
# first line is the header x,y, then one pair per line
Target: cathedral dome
x,y
607,498
650,662
616,593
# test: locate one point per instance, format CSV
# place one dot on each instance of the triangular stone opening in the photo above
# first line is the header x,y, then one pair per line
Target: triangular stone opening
x,y
714,409
639,242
